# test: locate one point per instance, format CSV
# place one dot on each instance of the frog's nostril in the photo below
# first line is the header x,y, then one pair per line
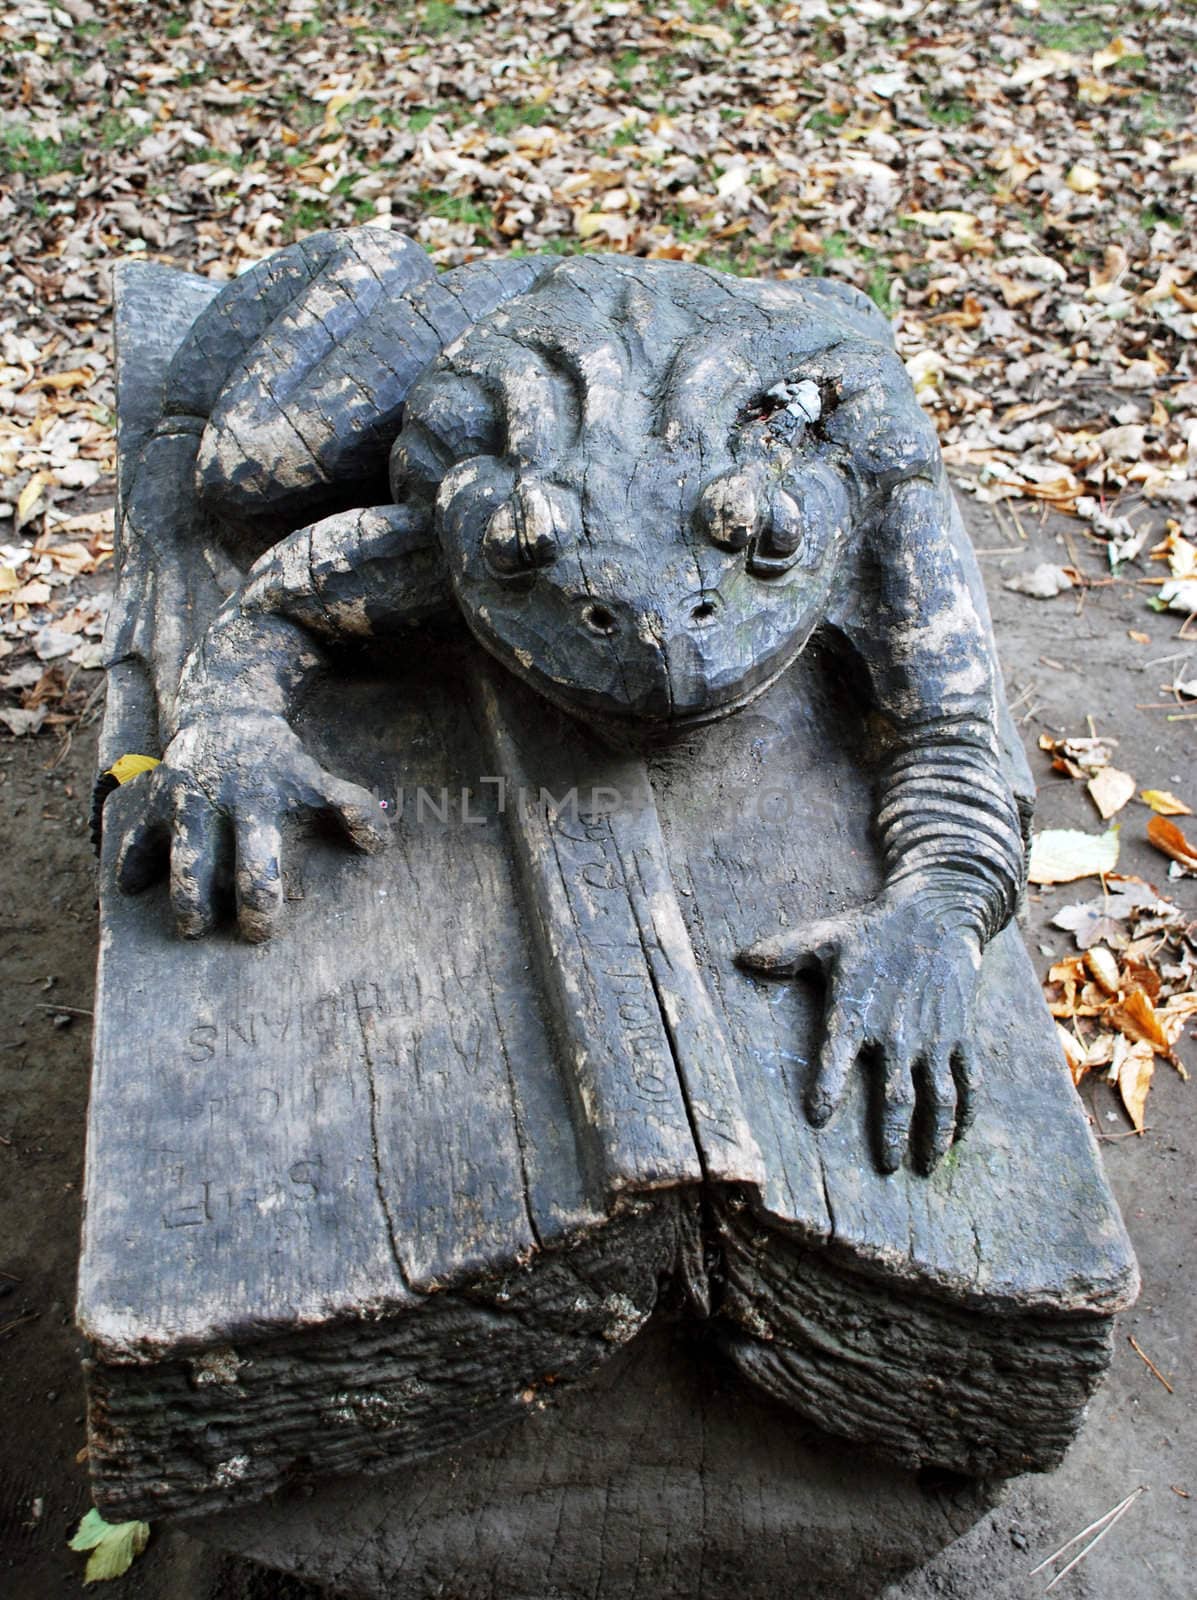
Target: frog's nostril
x,y
599,619
704,611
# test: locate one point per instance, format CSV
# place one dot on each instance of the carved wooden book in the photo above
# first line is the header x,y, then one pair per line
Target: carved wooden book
x,y
495,1096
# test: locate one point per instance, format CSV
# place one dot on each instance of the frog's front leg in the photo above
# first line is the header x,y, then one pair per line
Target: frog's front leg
x,y
233,770
902,972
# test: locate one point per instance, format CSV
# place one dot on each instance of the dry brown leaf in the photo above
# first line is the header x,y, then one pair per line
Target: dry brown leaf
x,y
1110,789
1132,1070
1074,1053
1134,1016
1166,836
1104,966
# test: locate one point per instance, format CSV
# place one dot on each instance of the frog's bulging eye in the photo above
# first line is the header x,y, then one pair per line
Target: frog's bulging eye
x,y
599,619
780,542
729,509
521,535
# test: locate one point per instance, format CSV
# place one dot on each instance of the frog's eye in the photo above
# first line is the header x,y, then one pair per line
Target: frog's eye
x,y
780,542
801,522
521,535
730,509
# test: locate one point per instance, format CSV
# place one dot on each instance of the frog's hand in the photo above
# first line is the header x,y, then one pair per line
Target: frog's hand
x,y
899,987
902,973
233,770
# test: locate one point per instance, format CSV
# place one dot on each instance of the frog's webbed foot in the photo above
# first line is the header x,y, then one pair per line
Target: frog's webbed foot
x,y
901,980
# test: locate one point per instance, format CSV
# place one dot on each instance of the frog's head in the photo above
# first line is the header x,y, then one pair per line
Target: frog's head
x,y
640,514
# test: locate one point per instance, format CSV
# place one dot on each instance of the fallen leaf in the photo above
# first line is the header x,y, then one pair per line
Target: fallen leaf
x,y
1082,179
29,497
1110,54
1044,582
1134,1015
1166,804
1089,925
1047,65
1131,1071
1060,855
22,722
113,1546
1110,789
1104,967
1074,1053
1166,836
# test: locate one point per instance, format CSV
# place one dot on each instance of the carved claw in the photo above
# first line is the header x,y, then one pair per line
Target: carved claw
x,y
218,800
900,986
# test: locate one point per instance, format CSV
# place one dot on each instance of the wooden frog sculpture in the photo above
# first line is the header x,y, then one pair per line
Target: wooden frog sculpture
x,y
644,486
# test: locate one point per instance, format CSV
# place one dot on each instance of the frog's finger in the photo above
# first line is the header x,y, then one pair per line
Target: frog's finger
x,y
358,813
783,955
964,1072
937,1098
142,854
194,863
843,1041
259,878
897,1105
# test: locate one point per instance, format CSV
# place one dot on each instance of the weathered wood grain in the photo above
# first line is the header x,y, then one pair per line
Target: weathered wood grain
x,y
662,1478
353,1195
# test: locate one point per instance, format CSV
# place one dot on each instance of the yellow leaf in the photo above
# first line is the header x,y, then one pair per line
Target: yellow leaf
x,y
131,766
1110,54
1166,804
76,378
29,497
8,579
1185,163
1082,179
113,1546
707,30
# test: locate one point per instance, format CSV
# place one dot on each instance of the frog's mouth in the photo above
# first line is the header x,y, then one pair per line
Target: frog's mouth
x,y
626,727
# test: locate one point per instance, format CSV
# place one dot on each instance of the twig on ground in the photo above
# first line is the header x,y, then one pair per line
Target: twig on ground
x,y
1146,1359
1105,1523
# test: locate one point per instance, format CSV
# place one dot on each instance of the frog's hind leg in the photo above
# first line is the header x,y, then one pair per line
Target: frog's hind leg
x,y
174,566
306,423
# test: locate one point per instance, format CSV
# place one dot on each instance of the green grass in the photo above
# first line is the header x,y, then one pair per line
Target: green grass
x,y
455,208
506,119
1067,28
34,158
441,18
304,216
623,66
949,111
879,286
1154,215
821,120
